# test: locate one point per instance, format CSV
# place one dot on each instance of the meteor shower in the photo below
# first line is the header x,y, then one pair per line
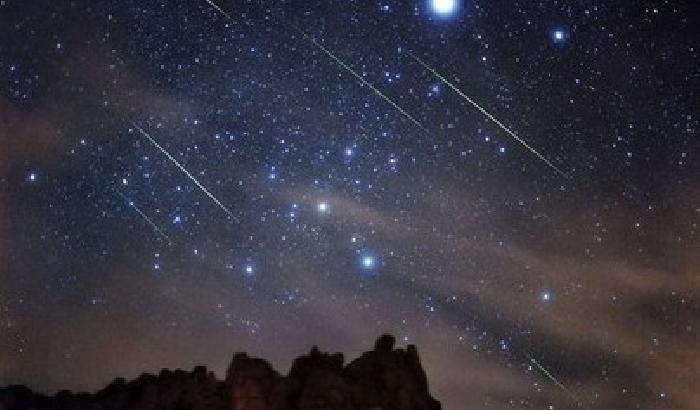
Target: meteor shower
x,y
349,205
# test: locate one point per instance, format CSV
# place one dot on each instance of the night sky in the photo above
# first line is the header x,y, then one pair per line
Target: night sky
x,y
179,182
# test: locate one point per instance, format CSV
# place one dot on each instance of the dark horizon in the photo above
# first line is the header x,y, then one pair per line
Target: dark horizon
x,y
383,377
513,187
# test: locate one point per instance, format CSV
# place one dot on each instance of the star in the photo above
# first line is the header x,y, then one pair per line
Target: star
x,y
546,296
443,7
367,261
248,270
558,35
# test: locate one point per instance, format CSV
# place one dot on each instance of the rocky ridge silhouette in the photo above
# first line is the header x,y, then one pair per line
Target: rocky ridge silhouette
x,y
385,378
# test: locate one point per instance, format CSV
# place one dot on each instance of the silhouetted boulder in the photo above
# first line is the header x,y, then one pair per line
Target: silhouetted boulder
x,y
250,382
385,343
382,379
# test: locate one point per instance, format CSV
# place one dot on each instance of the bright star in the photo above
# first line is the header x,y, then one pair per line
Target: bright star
x,y
443,7
368,261
248,270
546,296
323,207
32,177
558,35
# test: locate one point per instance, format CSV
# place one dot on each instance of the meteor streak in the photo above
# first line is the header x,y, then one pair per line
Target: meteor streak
x,y
361,79
219,9
345,66
189,175
552,378
144,216
489,115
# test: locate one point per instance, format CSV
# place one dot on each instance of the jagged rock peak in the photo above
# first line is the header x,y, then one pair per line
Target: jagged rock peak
x,y
385,343
383,378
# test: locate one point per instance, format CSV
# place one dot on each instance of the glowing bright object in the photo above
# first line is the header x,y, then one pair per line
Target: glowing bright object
x,y
323,207
443,6
248,270
559,35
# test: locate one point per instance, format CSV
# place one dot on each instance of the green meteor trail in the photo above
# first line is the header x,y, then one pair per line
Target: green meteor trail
x,y
189,175
219,9
552,378
144,216
489,116
361,79
344,66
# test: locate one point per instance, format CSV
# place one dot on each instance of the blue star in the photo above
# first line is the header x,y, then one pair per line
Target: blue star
x,y
546,296
248,270
368,261
32,177
272,175
434,90
558,35
444,7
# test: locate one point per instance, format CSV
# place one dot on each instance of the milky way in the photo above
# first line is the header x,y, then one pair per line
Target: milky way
x,y
350,203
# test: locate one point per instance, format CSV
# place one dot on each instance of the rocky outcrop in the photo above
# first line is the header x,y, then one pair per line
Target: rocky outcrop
x,y
385,378
250,383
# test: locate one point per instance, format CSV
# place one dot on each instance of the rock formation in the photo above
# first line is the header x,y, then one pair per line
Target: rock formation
x,y
385,378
